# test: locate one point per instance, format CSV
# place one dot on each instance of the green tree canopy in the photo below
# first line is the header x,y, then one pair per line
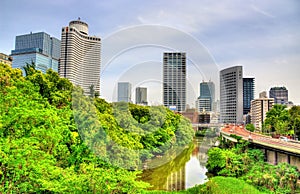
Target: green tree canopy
x,y
277,119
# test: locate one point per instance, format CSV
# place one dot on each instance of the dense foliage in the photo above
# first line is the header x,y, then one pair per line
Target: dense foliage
x,y
45,141
250,127
218,185
280,120
248,164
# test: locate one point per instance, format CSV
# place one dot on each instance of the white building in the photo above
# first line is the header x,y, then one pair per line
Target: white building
x,y
80,56
231,95
124,92
259,109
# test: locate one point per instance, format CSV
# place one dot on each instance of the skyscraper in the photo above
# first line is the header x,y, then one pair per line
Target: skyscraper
x,y
248,94
39,48
280,95
124,92
80,56
207,96
174,80
141,96
231,95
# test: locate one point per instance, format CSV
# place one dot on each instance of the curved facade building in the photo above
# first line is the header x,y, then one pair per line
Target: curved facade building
x,y
231,95
80,56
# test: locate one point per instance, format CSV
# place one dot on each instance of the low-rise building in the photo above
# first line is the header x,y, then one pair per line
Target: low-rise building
x,y
5,59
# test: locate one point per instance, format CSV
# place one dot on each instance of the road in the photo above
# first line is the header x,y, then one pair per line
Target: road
x,y
258,138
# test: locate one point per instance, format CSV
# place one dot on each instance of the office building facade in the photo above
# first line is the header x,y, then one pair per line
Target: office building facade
x,y
259,109
141,96
124,92
80,56
248,94
174,80
280,95
204,104
40,48
207,96
231,95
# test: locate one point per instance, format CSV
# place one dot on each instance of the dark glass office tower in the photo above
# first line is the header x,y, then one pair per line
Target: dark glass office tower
x,y
174,80
248,94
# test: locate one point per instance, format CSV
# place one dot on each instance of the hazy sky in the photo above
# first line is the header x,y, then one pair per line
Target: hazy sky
x,y
263,36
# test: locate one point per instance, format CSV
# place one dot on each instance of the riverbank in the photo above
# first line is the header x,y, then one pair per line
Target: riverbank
x,y
217,185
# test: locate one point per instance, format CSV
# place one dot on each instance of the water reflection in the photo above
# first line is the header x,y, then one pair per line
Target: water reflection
x,y
185,171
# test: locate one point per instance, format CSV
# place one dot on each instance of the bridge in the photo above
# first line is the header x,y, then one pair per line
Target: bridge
x,y
275,150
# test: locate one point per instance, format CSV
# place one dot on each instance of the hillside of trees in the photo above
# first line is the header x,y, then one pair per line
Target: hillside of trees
x,y
55,139
240,161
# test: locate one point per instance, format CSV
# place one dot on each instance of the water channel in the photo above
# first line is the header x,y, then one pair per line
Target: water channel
x,y
185,171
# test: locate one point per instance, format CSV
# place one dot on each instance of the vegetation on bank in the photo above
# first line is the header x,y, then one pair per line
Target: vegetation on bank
x,y
206,132
54,139
218,185
248,164
280,120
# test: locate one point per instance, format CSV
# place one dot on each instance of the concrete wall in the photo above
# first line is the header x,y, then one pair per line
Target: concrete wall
x,y
295,161
271,158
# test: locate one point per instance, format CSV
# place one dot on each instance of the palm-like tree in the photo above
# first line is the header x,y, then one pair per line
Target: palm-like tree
x,y
29,68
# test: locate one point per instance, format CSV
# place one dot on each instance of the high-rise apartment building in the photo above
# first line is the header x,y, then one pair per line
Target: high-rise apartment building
x,y
259,109
231,95
248,94
207,96
40,48
174,80
141,96
80,56
280,95
124,92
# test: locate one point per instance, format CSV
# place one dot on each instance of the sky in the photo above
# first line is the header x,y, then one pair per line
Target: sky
x,y
262,36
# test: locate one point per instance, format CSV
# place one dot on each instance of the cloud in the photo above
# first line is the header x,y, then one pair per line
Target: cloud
x,y
262,11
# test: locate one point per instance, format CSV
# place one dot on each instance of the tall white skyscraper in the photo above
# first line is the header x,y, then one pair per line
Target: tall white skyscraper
x,y
231,95
174,80
80,56
124,92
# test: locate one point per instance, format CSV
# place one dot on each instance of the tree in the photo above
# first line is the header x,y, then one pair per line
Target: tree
x,y
29,68
92,91
41,150
295,120
277,119
250,127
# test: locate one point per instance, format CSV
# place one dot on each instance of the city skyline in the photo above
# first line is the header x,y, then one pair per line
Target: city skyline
x,y
260,36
